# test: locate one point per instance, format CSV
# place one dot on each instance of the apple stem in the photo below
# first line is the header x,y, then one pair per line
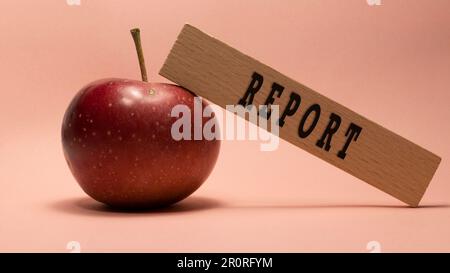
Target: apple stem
x,y
136,33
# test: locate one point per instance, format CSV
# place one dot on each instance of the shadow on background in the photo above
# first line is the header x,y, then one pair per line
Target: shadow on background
x,y
336,206
88,206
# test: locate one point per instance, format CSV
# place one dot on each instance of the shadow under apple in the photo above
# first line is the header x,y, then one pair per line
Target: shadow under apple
x,y
89,207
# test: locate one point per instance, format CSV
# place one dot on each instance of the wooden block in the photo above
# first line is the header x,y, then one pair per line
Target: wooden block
x,y
225,76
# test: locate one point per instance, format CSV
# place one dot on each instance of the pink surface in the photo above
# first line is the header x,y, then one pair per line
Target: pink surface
x,y
390,63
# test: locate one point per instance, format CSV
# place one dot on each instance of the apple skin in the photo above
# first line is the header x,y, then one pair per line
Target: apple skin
x,y
116,137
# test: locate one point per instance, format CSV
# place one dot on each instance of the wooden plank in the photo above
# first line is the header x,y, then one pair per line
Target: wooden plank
x,y
223,75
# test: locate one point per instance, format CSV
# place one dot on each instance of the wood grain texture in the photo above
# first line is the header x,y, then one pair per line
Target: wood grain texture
x,y
221,74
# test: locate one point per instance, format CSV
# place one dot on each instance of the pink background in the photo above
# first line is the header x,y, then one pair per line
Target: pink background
x,y
390,63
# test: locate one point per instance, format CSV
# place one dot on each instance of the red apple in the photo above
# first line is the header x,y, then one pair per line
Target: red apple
x,y
117,141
